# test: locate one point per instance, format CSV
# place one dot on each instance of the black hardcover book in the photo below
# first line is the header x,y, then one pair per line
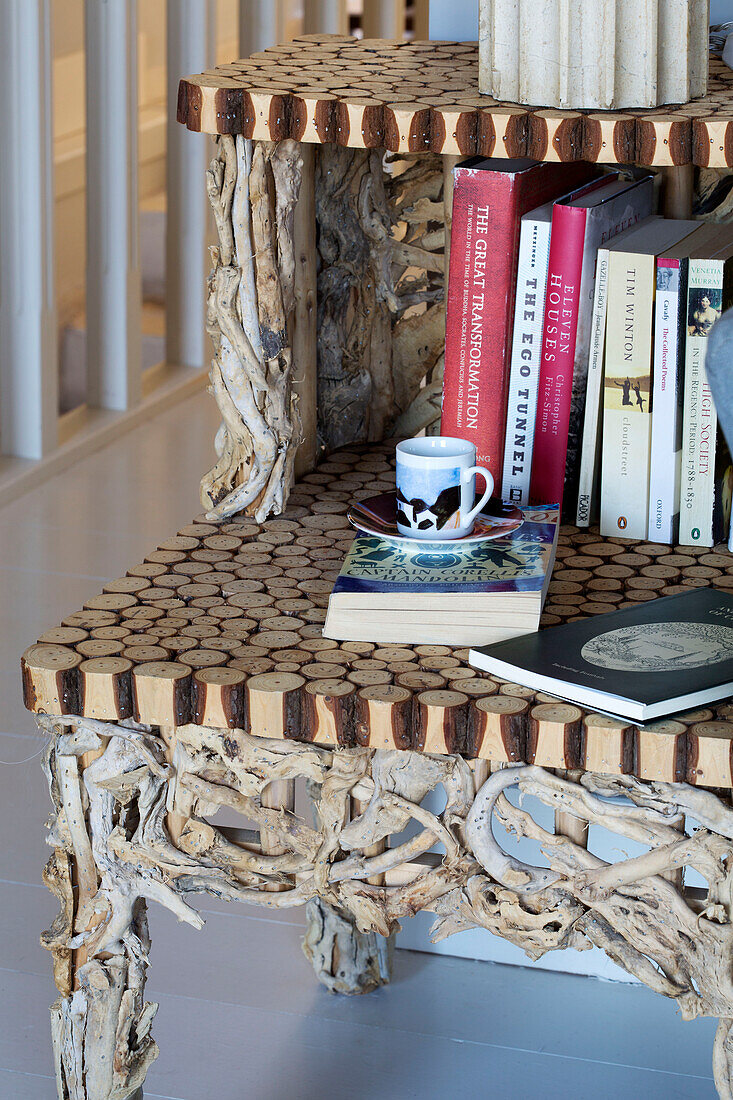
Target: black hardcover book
x,y
644,662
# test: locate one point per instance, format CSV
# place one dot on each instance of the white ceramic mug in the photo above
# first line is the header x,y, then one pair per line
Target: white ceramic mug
x,y
436,487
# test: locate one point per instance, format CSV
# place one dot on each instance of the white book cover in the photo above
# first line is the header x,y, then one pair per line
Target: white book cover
x,y
667,388
700,420
590,462
589,456
534,253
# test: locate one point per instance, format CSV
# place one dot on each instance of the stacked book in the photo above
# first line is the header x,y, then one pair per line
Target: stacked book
x,y
445,594
575,346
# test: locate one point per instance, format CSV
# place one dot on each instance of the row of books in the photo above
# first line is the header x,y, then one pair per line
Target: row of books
x,y
666,469
575,336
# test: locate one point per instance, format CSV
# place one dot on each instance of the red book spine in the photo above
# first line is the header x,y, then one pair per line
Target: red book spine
x,y
479,312
558,355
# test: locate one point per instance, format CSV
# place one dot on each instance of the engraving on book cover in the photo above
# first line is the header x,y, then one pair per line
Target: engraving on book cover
x,y
660,647
705,307
486,567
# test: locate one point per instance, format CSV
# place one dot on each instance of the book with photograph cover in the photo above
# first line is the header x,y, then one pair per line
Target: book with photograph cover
x,y
590,451
657,658
670,327
707,475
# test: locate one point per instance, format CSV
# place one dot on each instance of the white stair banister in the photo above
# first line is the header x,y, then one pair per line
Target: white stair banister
x,y
113,262
190,49
261,24
421,19
384,19
326,16
28,343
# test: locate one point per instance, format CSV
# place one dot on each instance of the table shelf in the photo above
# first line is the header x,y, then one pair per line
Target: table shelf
x,y
423,97
221,627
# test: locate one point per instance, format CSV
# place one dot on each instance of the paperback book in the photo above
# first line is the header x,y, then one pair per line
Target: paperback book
x,y
590,456
390,593
707,477
670,329
534,252
627,386
590,452
644,662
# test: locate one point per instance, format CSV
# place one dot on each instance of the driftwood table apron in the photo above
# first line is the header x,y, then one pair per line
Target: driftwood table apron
x,y
202,680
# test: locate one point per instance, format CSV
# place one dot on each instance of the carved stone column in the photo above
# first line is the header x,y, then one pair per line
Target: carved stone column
x,y
593,53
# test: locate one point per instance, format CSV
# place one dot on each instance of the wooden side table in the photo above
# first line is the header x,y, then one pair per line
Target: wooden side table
x,y
201,679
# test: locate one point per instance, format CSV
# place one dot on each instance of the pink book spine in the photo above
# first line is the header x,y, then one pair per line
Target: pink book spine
x,y
558,354
480,311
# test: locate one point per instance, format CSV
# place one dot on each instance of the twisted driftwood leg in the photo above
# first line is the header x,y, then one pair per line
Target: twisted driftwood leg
x,y
380,306
130,825
345,959
723,1059
100,1023
381,312
253,188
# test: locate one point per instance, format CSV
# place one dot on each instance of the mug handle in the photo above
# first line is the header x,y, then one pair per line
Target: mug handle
x,y
469,517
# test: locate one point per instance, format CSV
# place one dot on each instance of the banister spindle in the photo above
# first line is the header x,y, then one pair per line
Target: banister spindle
x,y
261,24
421,19
28,342
113,263
190,49
384,19
325,17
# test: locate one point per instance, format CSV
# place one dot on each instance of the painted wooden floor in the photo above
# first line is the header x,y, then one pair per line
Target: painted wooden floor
x,y
240,1015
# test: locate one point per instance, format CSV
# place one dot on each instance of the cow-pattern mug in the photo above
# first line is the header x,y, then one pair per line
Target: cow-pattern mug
x,y
436,487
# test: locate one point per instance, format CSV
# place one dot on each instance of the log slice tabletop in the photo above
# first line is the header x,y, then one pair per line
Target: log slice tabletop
x,y
231,653
423,97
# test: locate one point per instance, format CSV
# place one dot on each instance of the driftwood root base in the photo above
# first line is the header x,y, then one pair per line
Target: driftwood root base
x,y
381,314
130,826
253,188
344,959
381,309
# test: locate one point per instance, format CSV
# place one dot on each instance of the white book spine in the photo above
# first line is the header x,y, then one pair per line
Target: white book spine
x,y
590,454
700,421
666,451
626,393
524,376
